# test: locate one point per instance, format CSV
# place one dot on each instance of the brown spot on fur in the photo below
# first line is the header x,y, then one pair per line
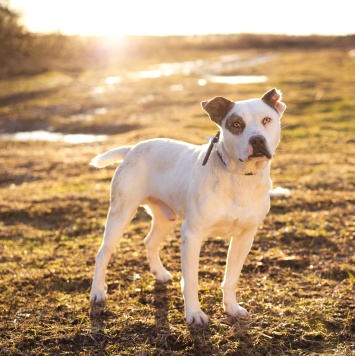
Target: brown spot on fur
x,y
217,108
235,124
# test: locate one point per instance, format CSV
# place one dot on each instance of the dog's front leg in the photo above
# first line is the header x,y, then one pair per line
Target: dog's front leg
x,y
190,254
239,248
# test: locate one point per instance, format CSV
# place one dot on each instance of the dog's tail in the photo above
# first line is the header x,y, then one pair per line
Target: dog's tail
x,y
109,157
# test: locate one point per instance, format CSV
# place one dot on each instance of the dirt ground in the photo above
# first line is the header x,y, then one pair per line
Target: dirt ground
x,y
298,280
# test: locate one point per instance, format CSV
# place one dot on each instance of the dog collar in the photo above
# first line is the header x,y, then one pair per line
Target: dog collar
x,y
221,158
210,147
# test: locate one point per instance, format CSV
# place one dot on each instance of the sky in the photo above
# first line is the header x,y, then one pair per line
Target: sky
x,y
187,17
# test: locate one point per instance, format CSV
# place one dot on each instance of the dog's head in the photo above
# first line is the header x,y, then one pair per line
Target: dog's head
x,y
250,128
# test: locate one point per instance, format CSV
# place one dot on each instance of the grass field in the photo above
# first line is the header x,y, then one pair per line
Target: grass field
x,y
298,280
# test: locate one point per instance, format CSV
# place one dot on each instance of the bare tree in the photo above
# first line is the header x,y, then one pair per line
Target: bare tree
x,y
11,32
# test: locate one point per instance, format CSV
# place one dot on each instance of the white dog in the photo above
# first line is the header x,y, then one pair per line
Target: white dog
x,y
221,189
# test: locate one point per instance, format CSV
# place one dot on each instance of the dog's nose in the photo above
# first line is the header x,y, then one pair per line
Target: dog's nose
x,y
259,145
257,141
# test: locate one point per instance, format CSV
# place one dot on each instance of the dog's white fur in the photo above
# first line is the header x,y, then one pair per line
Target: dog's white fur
x,y
229,196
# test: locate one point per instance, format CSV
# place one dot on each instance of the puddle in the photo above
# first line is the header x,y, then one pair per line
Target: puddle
x,y
97,90
204,68
113,80
168,69
89,116
209,70
52,137
82,117
100,111
236,79
176,87
146,99
202,82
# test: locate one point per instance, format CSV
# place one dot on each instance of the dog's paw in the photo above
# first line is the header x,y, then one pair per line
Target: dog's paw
x,y
236,312
98,295
197,318
162,276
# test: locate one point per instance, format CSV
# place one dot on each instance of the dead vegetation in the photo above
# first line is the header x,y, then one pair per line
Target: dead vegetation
x,y
298,281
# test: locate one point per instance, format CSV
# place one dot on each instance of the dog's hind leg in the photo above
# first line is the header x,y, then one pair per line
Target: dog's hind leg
x,y
163,221
120,214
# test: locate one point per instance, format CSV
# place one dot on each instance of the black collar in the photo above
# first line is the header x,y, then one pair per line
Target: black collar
x,y
221,158
210,147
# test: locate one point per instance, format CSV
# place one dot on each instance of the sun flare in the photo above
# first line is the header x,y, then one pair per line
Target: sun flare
x,y
111,18
159,17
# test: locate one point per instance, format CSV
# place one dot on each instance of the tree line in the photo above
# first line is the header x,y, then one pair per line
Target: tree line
x,y
26,53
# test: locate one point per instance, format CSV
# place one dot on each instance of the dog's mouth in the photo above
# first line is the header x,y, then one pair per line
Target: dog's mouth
x,y
260,154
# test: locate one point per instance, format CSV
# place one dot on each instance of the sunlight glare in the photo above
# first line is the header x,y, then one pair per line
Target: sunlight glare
x,y
159,17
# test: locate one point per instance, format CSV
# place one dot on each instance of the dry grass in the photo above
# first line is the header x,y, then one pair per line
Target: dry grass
x,y
298,281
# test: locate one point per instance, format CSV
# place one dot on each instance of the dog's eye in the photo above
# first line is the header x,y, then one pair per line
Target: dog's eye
x,y
266,120
235,124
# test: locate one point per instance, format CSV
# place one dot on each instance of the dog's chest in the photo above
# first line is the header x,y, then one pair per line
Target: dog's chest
x,y
236,218
237,207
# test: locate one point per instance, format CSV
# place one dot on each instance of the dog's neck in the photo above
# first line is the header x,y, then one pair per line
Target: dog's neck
x,y
242,168
234,166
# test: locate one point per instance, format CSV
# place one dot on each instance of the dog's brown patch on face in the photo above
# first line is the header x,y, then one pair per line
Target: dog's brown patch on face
x,y
235,124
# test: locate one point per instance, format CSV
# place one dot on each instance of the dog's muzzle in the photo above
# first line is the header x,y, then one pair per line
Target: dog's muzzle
x,y
259,145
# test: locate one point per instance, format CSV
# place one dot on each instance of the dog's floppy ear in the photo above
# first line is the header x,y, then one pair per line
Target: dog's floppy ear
x,y
273,98
217,108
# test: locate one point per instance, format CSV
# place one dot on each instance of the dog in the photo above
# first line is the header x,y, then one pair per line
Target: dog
x,y
217,189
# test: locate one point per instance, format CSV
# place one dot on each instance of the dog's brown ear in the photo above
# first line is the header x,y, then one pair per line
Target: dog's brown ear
x,y
273,98
217,108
